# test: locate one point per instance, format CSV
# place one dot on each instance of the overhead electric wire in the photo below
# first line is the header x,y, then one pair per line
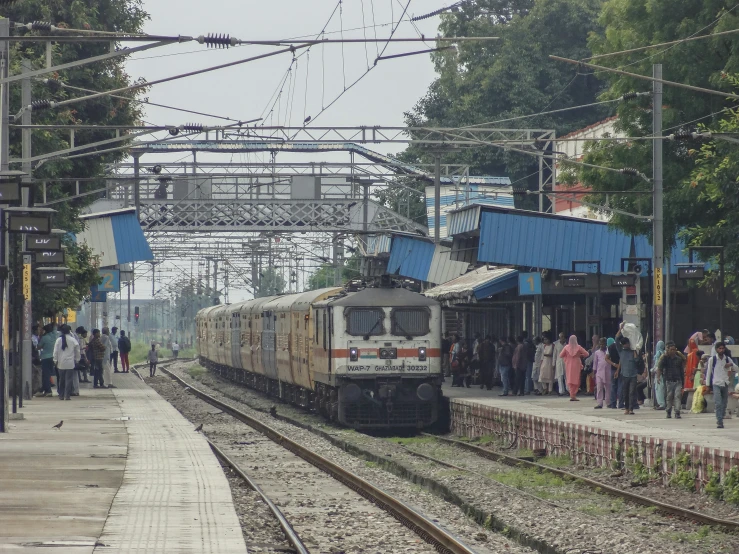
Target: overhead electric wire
x,y
64,85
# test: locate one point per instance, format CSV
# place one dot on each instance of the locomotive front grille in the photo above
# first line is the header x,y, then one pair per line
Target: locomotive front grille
x,y
407,414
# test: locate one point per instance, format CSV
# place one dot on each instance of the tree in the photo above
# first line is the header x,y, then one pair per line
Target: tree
x,y
108,15
628,24
495,81
271,283
325,276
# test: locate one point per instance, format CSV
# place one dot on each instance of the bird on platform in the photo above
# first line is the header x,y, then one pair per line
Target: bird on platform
x,y
199,428
273,411
58,425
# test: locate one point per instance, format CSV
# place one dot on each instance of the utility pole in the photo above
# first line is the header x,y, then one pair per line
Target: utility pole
x,y
658,221
26,389
4,242
437,198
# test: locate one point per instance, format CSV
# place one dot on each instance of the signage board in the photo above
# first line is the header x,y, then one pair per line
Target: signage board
x,y
10,193
18,223
573,280
529,283
111,280
691,273
623,280
54,257
46,244
27,281
55,276
658,287
97,295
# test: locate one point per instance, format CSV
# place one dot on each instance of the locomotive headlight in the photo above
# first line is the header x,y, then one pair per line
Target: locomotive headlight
x,y
353,354
422,354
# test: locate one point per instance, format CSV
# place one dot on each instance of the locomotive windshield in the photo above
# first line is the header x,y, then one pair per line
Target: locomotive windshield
x,y
410,322
365,321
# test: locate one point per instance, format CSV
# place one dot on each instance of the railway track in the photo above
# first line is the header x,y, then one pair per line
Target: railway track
x,y
499,457
429,531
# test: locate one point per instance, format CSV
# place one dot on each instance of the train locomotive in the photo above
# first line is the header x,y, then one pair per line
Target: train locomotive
x,y
368,358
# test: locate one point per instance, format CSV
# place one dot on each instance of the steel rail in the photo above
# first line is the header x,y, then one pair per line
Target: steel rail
x,y
290,533
603,487
426,529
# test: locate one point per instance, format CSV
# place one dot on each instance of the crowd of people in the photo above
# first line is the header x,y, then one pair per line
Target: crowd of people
x,y
615,371
68,358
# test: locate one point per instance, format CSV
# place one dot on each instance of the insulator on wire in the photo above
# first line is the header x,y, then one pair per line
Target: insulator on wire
x,y
54,85
39,26
192,127
174,131
682,135
217,41
38,105
629,96
630,171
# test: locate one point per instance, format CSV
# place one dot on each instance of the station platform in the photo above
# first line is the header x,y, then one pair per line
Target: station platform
x,y
590,436
125,473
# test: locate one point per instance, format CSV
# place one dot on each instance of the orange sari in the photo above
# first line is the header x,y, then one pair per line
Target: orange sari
x,y
692,362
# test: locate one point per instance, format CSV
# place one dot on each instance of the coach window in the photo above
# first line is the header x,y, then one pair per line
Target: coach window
x,y
365,321
410,322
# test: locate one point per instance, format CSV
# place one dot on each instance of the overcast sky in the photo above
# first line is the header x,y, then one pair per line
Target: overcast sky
x,y
248,91
265,88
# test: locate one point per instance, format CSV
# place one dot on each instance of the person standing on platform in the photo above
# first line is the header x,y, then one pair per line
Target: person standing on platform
x,y
46,345
446,345
659,384
530,350
124,347
66,356
546,370
671,368
153,358
616,399
536,367
559,371
84,364
97,351
505,361
627,371
114,347
691,365
107,367
601,374
520,363
487,362
719,374
573,354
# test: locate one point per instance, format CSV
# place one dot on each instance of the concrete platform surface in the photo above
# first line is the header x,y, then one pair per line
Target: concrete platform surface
x,y
56,486
126,473
695,429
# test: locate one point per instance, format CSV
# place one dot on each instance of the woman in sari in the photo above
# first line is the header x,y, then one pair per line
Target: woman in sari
x,y
659,384
572,355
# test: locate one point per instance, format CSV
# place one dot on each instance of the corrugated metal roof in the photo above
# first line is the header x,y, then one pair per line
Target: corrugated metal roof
x,y
99,237
378,244
464,220
116,238
476,285
521,238
130,242
423,261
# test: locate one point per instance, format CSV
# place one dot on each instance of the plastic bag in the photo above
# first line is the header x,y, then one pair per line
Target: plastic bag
x,y
632,333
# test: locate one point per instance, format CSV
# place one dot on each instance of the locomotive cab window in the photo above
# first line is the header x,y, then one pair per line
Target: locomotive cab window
x,y
410,322
365,321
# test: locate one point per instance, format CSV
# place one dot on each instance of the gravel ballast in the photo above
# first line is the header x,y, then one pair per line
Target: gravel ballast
x,y
565,516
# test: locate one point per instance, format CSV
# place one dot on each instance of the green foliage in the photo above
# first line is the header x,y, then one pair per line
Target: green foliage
x,y
684,475
325,276
491,81
108,15
632,23
270,283
731,486
713,487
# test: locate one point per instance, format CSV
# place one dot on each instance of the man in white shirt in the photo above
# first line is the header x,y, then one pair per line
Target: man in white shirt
x,y
175,349
719,375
